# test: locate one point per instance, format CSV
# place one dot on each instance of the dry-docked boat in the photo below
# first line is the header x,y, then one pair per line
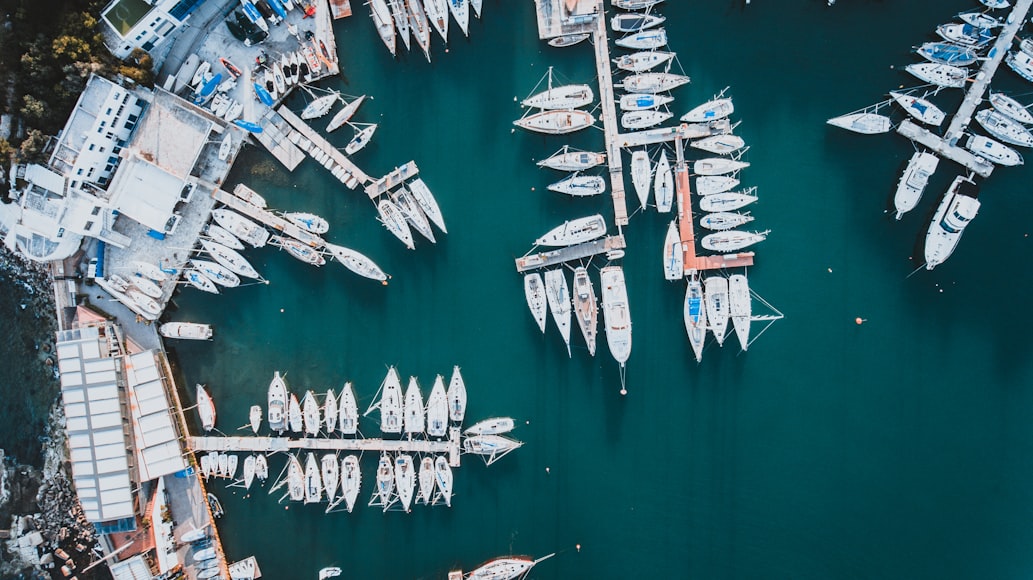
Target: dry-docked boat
x,y
616,316
405,479
277,404
674,255
437,13
385,480
724,220
426,479
143,301
1022,63
864,123
634,21
641,175
556,122
230,259
241,227
534,292
351,481
558,296
310,414
956,211
644,40
921,109
348,411
419,26
345,114
361,138
300,250
356,262
401,19
943,75
580,185
460,10
295,419
456,395
331,473
222,236
912,183
716,108
643,101
643,119
1010,107
151,271
711,184
313,482
563,97
381,16
205,408
716,299
717,166
731,240
249,195
413,418
391,403
642,61
653,82
437,409
663,184
308,221
695,315
719,144
574,231
1004,128
740,307
493,426
216,273
568,40
412,212
993,151
395,223
443,479
421,193
586,310
186,330
145,285
295,479
567,160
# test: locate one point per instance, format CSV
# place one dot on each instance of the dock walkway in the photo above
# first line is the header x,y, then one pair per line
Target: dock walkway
x,y
275,137
570,253
319,143
267,218
392,180
608,113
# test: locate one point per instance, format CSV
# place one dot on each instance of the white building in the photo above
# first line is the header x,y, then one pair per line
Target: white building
x,y
143,24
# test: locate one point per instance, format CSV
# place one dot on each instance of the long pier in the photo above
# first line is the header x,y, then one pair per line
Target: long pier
x,y
319,143
608,113
570,253
267,218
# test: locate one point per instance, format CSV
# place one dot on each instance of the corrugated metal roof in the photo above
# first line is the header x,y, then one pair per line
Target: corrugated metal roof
x,y
156,439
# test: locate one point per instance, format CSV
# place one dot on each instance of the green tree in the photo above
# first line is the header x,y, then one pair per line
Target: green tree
x,y
34,110
31,150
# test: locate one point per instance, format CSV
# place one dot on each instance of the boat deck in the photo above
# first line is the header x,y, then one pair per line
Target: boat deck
x,y
569,253
257,444
318,143
608,114
392,180
267,218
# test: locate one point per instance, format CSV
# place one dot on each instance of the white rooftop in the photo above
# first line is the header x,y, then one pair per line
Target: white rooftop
x,y
156,440
145,192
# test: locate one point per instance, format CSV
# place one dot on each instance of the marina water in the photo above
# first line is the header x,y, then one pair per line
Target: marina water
x,y
900,447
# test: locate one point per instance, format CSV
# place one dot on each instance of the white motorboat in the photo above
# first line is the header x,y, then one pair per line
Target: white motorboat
x,y
320,106
405,479
255,417
205,408
695,315
385,480
663,184
261,468
241,227
295,479
249,471
438,406
616,316
651,39
979,19
186,330
460,10
556,122
993,151
229,258
308,221
310,414
295,418
351,481
558,296
437,13
348,411
579,185
724,220
300,250
1004,128
426,475
567,160
421,193
330,471
912,183
363,136
634,21
443,479
568,40
391,403
345,114
419,26
401,20
490,445
356,262
223,236
653,82
1008,106
395,223
494,426
716,108
731,240
711,184
586,309
561,97
958,208
716,298
641,175
643,101
313,482
943,75
413,415
574,231
330,412
864,123
727,200
329,572
217,273
277,404
717,166
674,254
740,307
534,292
719,144
642,61
381,15
634,4
456,395
1022,63
643,119
921,109
413,214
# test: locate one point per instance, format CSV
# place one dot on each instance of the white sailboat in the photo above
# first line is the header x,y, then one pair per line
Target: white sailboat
x,y
644,40
261,468
616,316
731,240
643,119
642,61
724,220
356,262
295,479
391,403
493,426
348,410
205,408
912,183
490,445
727,200
921,109
740,307
345,114
230,259
401,19
864,123
295,418
443,479
711,184
249,471
993,151
574,231
579,185
362,136
395,223
674,255
634,22
508,568
653,82
561,97
241,227
663,185
695,314
456,396
586,309
413,214
716,299
556,122
437,409
1010,107
223,236
330,412
255,418
641,175
421,193
943,75
418,25
331,474
351,481
719,144
308,221
717,166
385,26
568,160
320,106
216,273
716,108
460,10
277,404
558,296
426,492
958,208
385,480
1004,128
413,417
310,414
476,5
534,292
437,13
313,482
405,479
643,101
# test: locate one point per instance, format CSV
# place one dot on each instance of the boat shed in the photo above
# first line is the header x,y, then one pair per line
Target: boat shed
x,y
156,440
97,441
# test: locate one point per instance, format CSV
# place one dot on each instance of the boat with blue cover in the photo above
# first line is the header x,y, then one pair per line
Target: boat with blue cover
x,y
248,126
263,95
965,34
948,53
643,101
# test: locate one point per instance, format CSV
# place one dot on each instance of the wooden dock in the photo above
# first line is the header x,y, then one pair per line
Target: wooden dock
x,y
275,138
331,155
608,114
257,444
267,218
392,180
570,253
340,9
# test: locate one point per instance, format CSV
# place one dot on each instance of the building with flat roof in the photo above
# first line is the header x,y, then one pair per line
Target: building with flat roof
x,y
143,24
148,194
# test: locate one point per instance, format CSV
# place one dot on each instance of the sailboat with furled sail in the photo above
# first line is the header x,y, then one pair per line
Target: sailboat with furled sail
x,y
586,307
419,26
381,16
558,296
616,316
401,20
460,10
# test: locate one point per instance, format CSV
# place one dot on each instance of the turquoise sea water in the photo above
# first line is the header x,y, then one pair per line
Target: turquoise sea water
x,y
898,448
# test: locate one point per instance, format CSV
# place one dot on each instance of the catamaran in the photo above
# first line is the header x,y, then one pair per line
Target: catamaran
x,y
295,479
205,408
663,184
356,262
494,426
943,75
426,476
460,10
534,292
330,470
391,403
385,480
395,223
864,123
351,481
456,396
739,306
216,273
1004,128
556,122
958,208
313,482
674,255
443,479
731,240
295,418
586,309
413,417
300,251
993,151
716,299
437,409
277,404
229,258
579,185
653,82
345,114
310,414
711,184
241,227
643,119
643,101
716,108
558,296
413,214
381,16
348,411
567,160
574,232
405,479
921,109
616,316
641,174
1010,107
418,25
717,166
695,315
186,330
421,193
644,40
642,61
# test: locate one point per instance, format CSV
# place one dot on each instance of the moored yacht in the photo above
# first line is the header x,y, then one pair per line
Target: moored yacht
x,y
558,296
641,175
425,199
993,151
921,109
643,101
956,210
426,476
731,240
643,119
1004,128
395,223
186,330
295,418
724,220
716,298
277,404
727,200
616,316
230,259
568,160
391,403
456,395
413,419
717,166
385,480
642,61
644,40
716,108
295,479
534,292
443,479
586,309
663,184
405,479
653,82
310,414
381,16
562,97
351,481
330,412
719,144
331,474
348,411
205,408
345,114
711,184
438,406
634,21
556,122
674,255
494,426
864,123
740,307
579,185
574,231
943,75
1010,107
695,315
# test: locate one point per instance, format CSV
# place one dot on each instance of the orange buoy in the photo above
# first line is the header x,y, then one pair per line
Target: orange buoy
x,y
859,320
